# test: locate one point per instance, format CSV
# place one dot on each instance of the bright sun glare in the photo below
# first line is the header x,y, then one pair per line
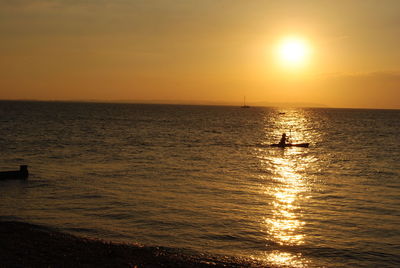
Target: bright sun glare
x,y
293,51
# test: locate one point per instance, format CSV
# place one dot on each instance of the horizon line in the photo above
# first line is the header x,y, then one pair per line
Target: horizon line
x,y
203,103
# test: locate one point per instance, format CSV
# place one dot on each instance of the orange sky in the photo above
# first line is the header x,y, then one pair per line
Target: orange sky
x,y
190,51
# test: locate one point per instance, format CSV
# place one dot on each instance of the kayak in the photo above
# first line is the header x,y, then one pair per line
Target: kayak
x,y
290,145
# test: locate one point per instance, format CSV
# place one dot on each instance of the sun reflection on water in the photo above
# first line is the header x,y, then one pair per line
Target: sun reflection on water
x,y
287,188
283,259
284,225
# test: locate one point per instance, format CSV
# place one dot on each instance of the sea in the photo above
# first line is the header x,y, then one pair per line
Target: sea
x,y
205,179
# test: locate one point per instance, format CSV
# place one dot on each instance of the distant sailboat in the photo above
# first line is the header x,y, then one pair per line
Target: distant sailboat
x,y
244,103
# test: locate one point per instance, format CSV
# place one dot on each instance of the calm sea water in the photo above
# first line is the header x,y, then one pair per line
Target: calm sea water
x,y
204,179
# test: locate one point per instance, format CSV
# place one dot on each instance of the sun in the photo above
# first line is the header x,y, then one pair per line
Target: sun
x,y
293,51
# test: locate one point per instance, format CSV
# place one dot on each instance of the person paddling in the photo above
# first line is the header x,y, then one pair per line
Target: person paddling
x,y
283,140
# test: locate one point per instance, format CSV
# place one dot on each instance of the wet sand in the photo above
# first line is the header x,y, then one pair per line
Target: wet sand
x,y
28,245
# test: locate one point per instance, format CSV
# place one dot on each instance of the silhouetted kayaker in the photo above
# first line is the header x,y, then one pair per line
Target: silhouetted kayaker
x,y
283,139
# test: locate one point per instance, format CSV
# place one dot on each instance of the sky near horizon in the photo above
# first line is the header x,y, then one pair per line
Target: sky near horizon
x,y
198,51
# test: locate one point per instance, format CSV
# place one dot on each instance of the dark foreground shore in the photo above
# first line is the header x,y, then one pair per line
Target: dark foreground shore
x,y
28,245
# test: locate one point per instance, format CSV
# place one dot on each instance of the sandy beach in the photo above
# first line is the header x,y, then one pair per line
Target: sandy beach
x,y
27,245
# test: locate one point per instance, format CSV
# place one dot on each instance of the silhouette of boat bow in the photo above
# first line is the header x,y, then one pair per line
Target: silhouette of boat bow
x,y
21,174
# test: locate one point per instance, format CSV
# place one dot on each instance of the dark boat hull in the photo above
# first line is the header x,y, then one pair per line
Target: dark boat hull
x,y
291,145
21,174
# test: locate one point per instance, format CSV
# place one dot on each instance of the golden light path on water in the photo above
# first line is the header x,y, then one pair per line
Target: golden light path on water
x,y
286,187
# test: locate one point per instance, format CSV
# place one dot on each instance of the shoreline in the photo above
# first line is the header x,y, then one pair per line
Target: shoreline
x,y
28,245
